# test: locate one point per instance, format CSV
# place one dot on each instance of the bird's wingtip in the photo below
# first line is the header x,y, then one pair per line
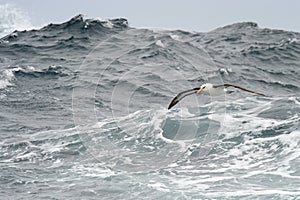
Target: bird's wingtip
x,y
170,106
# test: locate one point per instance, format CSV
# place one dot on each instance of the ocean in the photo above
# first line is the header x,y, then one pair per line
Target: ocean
x,y
83,111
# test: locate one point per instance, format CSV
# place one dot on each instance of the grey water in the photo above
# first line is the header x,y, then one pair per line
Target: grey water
x,y
83,111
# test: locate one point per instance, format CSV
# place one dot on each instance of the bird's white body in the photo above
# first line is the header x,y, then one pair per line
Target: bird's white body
x,y
209,89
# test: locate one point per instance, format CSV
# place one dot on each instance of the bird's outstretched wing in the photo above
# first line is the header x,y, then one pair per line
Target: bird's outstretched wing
x,y
241,88
181,95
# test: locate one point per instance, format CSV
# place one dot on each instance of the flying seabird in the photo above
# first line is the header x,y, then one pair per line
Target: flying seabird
x,y
209,89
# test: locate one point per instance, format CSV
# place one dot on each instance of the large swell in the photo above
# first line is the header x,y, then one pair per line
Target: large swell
x,y
83,113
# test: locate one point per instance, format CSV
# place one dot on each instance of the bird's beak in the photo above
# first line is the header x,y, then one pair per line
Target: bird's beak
x,y
199,91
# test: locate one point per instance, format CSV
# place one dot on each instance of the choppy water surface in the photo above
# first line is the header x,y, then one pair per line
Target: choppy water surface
x,y
83,113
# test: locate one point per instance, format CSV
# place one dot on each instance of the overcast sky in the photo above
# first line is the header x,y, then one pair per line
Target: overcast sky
x,y
193,15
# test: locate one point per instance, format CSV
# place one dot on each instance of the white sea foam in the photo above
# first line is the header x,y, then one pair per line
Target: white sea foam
x,y
250,192
7,77
86,25
158,186
107,24
225,71
12,18
160,43
293,40
175,37
4,83
92,170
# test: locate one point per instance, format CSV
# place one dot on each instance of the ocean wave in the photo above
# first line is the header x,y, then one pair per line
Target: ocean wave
x,y
284,48
75,26
87,99
51,71
8,76
241,26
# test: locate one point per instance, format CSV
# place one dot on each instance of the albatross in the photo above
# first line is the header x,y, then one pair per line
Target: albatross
x,y
209,89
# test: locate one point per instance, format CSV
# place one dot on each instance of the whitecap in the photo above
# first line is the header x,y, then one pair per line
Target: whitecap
x,y
12,18
7,77
160,43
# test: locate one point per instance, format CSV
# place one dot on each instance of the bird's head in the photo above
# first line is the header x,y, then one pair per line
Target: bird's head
x,y
205,88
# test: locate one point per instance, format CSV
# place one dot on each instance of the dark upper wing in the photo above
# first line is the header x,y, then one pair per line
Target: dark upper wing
x,y
181,95
241,88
